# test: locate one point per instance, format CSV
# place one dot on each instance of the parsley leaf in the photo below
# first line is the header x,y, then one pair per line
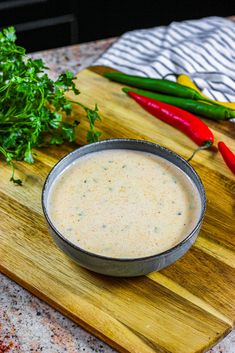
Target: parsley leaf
x,y
32,105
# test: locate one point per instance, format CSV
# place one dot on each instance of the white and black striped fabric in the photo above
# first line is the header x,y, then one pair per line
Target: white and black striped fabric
x,y
204,49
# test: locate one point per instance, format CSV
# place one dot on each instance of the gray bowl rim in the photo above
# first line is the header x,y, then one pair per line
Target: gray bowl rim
x,y
137,259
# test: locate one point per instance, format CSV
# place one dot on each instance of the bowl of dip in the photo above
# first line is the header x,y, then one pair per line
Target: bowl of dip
x,y
123,207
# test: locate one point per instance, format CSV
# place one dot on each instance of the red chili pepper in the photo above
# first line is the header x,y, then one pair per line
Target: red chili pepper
x,y
188,123
228,155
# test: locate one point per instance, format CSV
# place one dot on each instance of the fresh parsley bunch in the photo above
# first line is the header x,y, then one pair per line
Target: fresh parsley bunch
x,y
31,104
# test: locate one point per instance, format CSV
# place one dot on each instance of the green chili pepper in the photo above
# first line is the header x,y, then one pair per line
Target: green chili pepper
x,y
152,84
158,85
203,109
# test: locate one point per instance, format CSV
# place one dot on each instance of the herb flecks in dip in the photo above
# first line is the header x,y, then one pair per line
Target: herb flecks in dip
x,y
124,204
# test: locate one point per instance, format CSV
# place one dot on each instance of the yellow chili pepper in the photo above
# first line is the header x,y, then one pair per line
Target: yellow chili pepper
x,y
186,81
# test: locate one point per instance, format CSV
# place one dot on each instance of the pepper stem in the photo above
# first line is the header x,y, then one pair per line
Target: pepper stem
x,y
206,145
209,101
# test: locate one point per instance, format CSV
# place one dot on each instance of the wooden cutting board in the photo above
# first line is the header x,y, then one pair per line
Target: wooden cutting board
x,y
185,308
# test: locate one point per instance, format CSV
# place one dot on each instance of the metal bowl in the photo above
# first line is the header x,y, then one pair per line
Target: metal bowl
x,y
123,267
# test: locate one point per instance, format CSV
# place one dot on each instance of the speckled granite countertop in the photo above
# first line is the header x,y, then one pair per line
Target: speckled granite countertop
x,y
28,325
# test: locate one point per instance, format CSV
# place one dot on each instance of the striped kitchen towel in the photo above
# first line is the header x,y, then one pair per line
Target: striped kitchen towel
x,y
204,49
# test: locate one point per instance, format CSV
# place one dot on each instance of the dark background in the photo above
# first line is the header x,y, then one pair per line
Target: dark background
x,y
44,24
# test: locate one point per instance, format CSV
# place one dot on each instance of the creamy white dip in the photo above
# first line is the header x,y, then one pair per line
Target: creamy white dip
x,y
124,204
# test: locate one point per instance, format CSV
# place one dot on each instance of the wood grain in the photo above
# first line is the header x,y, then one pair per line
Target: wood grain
x,y
185,308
